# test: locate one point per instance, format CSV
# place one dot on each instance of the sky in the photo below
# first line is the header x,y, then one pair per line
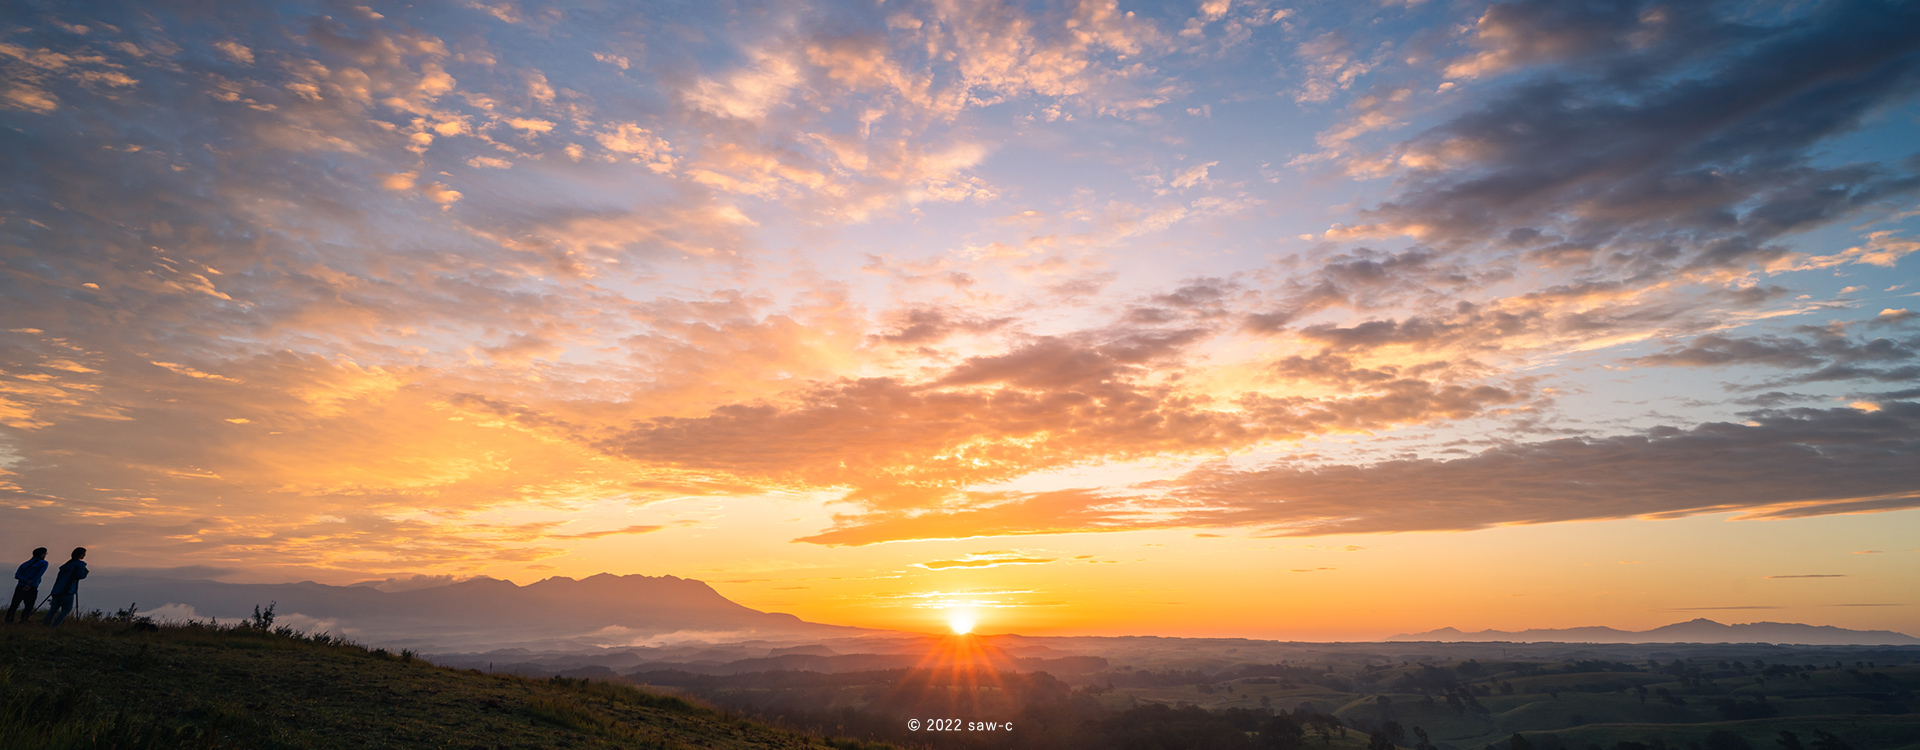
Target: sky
x,y
1267,319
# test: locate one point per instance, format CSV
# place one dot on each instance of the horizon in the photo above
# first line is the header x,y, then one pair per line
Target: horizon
x,y
399,586
1220,318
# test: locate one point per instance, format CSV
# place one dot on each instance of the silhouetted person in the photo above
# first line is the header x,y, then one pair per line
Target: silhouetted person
x,y
27,591
66,586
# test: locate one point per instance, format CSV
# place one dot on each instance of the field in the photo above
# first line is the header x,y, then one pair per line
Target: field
x,y
1576,705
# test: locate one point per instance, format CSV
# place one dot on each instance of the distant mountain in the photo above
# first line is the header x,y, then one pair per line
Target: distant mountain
x,y
1692,631
601,610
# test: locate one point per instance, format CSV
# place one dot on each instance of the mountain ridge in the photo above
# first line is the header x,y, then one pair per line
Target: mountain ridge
x,y
1697,630
604,609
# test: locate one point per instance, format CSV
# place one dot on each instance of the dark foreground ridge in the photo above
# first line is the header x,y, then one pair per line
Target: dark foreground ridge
x,y
107,682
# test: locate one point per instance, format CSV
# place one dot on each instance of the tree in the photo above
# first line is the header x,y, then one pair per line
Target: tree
x,y
1789,741
1379,741
1721,739
1394,732
1424,742
1518,742
1824,740
1282,732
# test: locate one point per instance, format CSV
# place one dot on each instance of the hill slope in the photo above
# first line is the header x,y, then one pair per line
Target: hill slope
x,y
107,684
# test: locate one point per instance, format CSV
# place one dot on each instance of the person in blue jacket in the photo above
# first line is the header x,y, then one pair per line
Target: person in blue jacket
x,y
27,591
66,586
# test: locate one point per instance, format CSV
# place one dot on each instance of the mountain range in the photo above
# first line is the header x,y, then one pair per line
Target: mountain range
x,y
600,610
1692,631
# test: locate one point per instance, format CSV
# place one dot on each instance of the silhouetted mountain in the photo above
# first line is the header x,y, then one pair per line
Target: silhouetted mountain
x,y
1693,631
599,610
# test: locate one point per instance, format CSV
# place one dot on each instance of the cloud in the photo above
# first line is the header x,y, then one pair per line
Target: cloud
x,y
30,75
861,116
1078,511
636,529
749,92
1194,175
1797,463
1518,34
1660,137
922,326
1716,350
1794,463
235,51
1836,355
979,560
1883,248
637,143
1331,65
1051,402
411,583
184,572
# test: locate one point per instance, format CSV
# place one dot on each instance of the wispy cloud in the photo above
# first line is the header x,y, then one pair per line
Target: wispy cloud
x,y
995,559
637,529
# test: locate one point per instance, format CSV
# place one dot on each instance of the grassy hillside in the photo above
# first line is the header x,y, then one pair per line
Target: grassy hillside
x,y
117,683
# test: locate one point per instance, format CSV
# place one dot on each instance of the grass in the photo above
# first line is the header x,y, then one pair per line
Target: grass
x,y
120,683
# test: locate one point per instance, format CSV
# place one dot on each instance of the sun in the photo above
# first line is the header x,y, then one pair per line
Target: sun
x,y
961,622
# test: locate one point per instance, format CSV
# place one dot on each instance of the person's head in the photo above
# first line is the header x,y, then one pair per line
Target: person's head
x,y
39,553
79,553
